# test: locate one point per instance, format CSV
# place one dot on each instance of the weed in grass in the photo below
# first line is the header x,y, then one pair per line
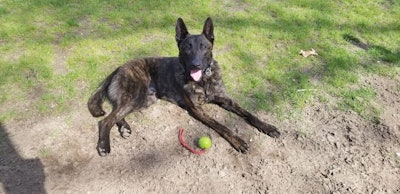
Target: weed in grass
x,y
44,152
72,22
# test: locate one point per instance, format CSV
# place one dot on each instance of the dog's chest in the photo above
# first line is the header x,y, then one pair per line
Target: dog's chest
x,y
204,91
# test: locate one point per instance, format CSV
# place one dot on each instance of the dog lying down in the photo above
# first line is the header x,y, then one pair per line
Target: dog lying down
x,y
189,81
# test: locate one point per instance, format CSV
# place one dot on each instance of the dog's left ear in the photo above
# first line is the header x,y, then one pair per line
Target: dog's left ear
x,y
208,30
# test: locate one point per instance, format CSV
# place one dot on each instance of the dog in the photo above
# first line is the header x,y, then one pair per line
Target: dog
x,y
189,81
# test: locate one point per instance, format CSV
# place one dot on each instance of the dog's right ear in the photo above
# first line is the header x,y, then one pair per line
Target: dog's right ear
x,y
181,31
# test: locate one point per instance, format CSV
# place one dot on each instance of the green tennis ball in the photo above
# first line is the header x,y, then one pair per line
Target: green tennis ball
x,y
204,142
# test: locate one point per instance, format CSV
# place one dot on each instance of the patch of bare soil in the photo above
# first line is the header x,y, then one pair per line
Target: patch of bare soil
x,y
323,151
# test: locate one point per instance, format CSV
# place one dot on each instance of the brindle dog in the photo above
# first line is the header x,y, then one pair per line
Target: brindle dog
x,y
190,80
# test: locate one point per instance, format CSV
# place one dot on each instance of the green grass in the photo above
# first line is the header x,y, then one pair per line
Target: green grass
x,y
257,45
361,101
44,152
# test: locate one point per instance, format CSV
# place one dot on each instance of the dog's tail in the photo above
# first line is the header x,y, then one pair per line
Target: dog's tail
x,y
97,99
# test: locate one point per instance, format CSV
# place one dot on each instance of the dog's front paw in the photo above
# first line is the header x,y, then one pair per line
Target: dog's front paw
x,y
274,133
270,130
125,131
103,148
239,144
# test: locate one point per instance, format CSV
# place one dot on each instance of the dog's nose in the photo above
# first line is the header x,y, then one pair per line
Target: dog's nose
x,y
196,63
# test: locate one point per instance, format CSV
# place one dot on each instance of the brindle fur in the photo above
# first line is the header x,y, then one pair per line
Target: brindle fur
x,y
138,83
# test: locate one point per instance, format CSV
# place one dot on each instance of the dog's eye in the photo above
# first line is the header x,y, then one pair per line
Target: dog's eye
x,y
203,46
188,46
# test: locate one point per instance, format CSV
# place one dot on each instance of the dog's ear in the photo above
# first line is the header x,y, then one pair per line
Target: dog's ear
x,y
208,30
181,31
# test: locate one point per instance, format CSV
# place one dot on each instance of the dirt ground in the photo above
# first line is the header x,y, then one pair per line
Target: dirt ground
x,y
322,150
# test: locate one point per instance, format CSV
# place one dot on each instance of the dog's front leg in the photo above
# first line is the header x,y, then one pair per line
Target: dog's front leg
x,y
230,105
194,97
236,142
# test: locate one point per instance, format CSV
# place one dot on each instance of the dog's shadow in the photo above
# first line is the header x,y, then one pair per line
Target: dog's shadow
x,y
19,175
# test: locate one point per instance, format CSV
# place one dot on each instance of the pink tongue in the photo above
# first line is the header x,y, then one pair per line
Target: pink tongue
x,y
196,75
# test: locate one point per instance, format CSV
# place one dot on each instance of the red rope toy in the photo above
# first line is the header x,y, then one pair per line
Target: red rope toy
x,y
198,152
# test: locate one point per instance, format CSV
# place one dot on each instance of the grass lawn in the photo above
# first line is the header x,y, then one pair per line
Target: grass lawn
x,y
54,52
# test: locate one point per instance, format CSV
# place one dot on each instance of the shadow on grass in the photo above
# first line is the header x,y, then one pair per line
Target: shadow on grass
x,y
379,52
19,175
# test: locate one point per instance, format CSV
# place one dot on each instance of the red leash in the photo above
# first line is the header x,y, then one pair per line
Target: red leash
x,y
198,152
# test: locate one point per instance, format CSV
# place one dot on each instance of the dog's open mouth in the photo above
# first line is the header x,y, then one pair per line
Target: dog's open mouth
x,y
196,74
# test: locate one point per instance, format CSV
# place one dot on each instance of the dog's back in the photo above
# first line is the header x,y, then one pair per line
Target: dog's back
x,y
144,80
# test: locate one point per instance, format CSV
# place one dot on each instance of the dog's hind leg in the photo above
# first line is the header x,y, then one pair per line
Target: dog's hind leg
x,y
230,105
105,125
124,128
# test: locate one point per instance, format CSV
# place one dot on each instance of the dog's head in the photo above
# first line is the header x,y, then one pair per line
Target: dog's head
x,y
195,51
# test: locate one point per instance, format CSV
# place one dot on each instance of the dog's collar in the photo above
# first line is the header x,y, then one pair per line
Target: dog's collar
x,y
208,71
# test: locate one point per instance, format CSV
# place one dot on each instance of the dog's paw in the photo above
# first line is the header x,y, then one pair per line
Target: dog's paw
x,y
240,145
270,130
125,131
97,113
103,148
274,134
